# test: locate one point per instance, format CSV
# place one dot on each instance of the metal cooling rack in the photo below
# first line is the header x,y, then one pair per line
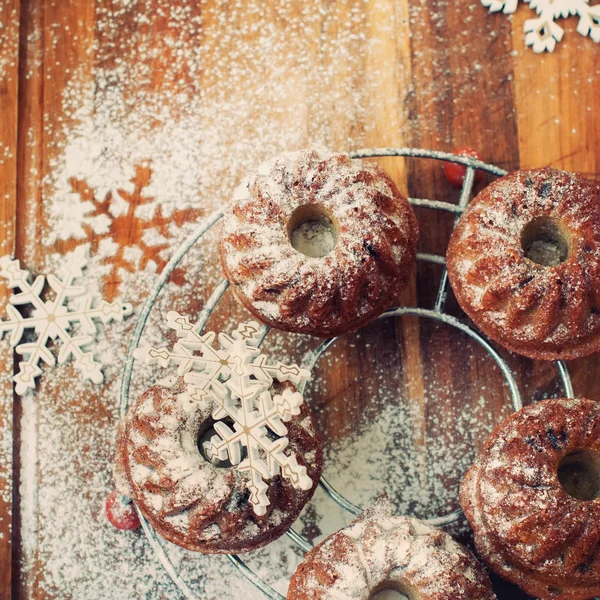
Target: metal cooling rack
x,y
311,359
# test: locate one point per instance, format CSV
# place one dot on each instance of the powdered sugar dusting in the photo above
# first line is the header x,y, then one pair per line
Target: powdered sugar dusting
x,y
522,516
550,308
396,552
198,132
328,292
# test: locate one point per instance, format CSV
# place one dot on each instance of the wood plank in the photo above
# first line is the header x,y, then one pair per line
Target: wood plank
x,y
557,96
9,88
28,188
9,93
461,95
56,38
61,64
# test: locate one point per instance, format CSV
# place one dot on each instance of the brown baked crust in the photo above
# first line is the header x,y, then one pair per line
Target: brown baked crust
x,y
359,279
196,505
549,313
379,551
528,529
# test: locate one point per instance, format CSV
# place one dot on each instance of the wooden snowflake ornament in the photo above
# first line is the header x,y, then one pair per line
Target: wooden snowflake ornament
x,y
54,319
543,33
237,380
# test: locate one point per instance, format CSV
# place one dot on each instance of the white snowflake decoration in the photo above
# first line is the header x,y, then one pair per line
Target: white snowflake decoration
x,y
543,33
238,379
53,319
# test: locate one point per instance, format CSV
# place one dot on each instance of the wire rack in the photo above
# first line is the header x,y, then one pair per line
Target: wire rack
x,y
311,359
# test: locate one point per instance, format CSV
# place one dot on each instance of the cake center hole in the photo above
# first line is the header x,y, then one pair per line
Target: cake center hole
x,y
546,241
390,594
205,436
312,230
395,591
579,474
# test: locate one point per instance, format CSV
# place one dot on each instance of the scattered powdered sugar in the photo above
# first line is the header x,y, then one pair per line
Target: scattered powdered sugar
x,y
9,34
385,551
6,442
129,147
417,483
412,443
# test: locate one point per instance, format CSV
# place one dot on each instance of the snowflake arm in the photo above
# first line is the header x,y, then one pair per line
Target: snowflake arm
x,y
183,353
589,22
542,34
257,487
556,8
201,389
263,371
14,324
165,358
264,413
506,6
292,471
19,278
288,404
227,444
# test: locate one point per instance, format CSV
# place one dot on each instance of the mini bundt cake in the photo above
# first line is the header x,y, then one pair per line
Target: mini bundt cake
x,y
190,500
524,263
318,243
533,499
381,552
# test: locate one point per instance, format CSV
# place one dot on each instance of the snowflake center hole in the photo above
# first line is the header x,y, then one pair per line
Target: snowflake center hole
x,y
546,241
313,230
395,591
206,434
579,474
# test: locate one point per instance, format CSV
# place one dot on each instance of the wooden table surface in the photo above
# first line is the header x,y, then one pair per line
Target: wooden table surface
x,y
256,78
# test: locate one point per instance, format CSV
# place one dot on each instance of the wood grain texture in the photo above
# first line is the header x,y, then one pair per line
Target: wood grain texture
x,y
9,93
436,74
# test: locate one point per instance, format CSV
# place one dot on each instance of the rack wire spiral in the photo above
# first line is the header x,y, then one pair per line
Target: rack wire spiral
x,y
311,359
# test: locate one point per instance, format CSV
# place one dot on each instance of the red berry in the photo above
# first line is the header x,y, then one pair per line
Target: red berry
x,y
455,173
121,511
